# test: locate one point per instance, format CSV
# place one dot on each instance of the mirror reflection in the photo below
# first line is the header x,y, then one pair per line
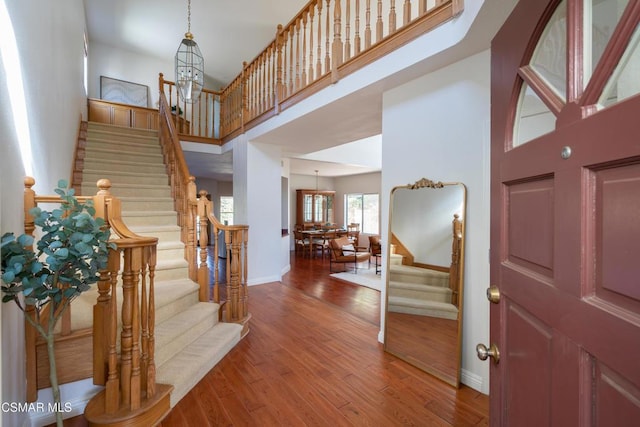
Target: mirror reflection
x,y
425,250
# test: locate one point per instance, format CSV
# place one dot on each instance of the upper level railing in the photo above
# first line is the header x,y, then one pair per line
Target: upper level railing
x,y
199,122
326,41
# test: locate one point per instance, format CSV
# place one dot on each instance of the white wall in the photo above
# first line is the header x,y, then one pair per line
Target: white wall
x,y
437,127
120,64
50,43
257,173
117,63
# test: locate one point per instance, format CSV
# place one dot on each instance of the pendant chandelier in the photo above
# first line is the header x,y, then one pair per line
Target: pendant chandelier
x,y
189,66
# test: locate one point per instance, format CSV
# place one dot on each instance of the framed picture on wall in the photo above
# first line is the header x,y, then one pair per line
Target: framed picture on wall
x,y
124,92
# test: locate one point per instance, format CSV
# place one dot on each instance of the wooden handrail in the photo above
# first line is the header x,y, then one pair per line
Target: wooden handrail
x,y
183,187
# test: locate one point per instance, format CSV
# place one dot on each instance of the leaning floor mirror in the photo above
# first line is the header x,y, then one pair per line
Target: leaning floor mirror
x,y
425,262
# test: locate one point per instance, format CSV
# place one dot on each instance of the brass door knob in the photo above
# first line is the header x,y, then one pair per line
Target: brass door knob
x,y
493,294
484,352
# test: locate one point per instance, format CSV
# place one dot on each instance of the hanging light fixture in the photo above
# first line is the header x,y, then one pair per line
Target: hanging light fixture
x,y
189,66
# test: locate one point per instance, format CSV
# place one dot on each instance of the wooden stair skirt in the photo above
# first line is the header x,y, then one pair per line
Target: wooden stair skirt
x,y
150,413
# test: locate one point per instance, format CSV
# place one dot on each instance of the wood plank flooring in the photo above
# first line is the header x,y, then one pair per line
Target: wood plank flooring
x,y
312,359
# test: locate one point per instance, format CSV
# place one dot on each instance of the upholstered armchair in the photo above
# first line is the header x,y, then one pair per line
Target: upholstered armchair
x,y
375,246
343,251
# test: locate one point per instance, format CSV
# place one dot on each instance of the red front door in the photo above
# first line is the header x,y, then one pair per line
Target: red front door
x,y
565,232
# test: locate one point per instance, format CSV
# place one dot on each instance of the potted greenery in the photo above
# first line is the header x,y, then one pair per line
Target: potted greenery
x,y
73,249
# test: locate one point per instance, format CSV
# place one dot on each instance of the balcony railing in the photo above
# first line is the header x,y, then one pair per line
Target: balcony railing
x,y
326,41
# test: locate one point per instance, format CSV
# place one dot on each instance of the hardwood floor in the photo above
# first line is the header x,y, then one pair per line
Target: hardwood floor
x,y
312,358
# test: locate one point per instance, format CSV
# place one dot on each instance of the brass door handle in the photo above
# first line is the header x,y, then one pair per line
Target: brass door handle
x,y
484,352
493,294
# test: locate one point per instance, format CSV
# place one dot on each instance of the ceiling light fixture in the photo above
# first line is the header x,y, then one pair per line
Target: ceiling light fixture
x,y
189,66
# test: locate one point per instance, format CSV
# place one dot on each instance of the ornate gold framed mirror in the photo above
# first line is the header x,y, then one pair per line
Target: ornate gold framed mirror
x,y
425,260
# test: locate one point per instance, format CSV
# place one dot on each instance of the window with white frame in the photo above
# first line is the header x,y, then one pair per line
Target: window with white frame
x,y
363,209
226,210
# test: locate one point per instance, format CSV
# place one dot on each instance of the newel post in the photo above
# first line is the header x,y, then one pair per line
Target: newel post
x,y
101,310
161,82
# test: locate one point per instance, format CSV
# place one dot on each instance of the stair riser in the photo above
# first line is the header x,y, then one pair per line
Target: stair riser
x,y
119,191
422,312
92,176
124,156
165,353
162,235
96,128
159,204
114,167
171,274
133,221
170,254
407,278
178,305
132,147
422,295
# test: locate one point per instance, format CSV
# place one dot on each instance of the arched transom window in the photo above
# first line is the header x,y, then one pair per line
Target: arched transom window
x,y
586,59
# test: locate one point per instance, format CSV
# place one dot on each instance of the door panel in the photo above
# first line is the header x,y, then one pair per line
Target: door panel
x,y
617,210
565,241
530,218
529,357
617,401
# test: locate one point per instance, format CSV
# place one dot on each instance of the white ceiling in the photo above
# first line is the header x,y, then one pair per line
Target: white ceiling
x,y
228,32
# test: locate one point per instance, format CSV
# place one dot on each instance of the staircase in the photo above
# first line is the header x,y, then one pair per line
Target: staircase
x,y
189,338
415,290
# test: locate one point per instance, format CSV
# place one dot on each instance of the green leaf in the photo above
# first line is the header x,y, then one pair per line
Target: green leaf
x,y
61,253
35,211
8,276
62,183
25,240
83,248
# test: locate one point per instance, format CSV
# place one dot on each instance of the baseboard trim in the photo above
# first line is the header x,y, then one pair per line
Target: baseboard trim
x,y
263,280
472,380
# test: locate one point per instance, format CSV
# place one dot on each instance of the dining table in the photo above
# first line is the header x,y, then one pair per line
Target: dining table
x,y
317,235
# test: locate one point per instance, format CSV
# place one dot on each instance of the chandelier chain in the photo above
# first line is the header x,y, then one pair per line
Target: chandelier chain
x,y
189,16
